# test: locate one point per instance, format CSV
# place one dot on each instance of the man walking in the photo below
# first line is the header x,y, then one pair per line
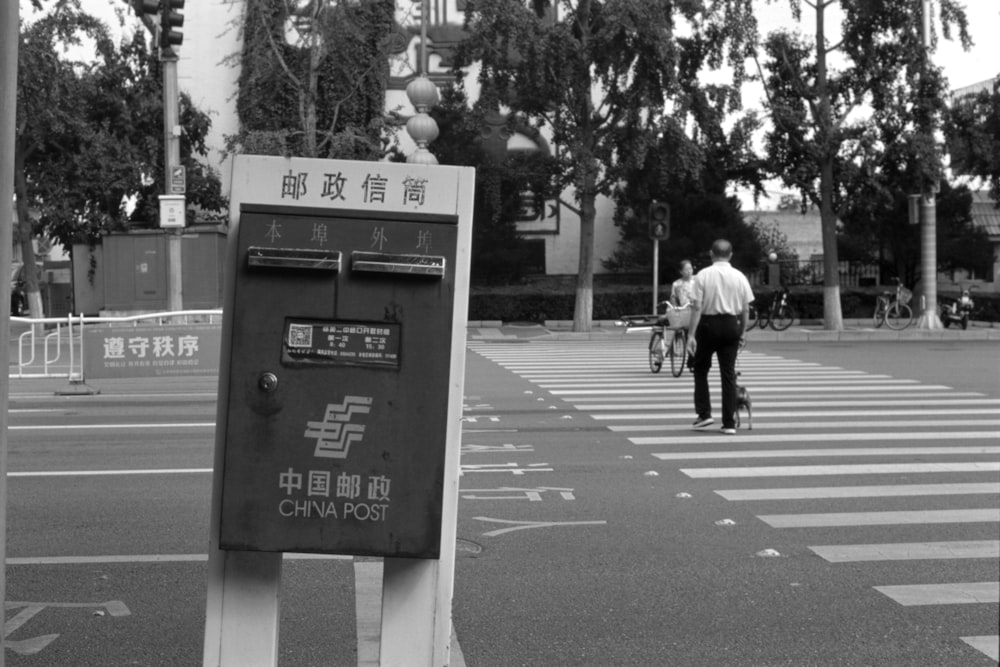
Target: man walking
x,y
721,298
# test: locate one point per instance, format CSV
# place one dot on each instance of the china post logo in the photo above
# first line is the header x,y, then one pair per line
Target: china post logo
x,y
338,430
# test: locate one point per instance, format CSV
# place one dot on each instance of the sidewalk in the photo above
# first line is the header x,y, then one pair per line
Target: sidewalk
x,y
854,331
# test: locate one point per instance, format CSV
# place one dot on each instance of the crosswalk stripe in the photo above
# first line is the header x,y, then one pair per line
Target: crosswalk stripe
x,y
863,491
893,518
988,644
683,402
669,390
757,437
770,426
687,414
853,553
976,592
805,453
847,469
826,388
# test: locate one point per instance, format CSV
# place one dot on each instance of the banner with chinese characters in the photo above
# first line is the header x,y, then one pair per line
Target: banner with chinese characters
x,y
122,351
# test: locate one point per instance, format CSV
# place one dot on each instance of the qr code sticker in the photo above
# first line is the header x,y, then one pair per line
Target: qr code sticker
x,y
300,335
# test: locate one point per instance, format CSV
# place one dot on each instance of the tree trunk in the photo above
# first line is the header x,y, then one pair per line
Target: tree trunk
x,y
584,308
25,236
832,317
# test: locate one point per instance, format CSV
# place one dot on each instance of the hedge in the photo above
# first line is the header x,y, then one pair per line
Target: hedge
x,y
501,304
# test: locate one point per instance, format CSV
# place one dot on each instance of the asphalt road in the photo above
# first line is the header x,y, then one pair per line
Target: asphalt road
x,y
595,528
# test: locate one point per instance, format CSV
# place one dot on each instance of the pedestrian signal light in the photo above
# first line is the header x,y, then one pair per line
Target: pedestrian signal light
x,y
170,19
659,220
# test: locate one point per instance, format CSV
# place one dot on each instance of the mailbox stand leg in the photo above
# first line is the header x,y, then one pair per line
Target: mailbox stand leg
x,y
415,613
241,628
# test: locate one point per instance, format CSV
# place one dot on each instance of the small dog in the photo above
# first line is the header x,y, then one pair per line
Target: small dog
x,y
743,402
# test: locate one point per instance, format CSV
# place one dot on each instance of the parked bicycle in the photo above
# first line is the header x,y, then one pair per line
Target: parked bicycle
x,y
780,313
676,318
893,309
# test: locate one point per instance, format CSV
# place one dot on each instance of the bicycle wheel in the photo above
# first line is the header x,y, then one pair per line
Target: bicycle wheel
x,y
763,316
678,352
656,349
784,317
878,319
898,316
752,320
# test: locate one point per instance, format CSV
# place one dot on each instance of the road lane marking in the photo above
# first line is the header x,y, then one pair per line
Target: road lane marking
x,y
527,525
854,553
894,490
976,592
894,518
97,473
96,427
850,451
147,558
847,469
709,435
988,644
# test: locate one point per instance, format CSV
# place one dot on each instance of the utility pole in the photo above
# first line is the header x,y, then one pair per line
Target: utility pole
x,y
167,36
929,319
9,38
172,161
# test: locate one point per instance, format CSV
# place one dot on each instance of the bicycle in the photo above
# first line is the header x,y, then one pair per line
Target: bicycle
x,y
895,313
677,318
779,314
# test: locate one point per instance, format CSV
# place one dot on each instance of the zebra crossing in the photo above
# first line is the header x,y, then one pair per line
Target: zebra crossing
x,y
804,411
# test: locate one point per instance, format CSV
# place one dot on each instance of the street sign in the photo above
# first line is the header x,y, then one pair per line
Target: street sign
x,y
178,180
172,211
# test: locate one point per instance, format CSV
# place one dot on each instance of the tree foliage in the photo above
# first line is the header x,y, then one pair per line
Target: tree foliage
x,y
498,252
89,139
817,143
313,78
973,133
692,172
599,76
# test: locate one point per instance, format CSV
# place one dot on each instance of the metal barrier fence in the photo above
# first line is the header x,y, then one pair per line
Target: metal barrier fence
x,y
53,347
810,272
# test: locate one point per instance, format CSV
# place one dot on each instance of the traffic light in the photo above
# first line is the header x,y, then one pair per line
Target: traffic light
x,y
171,18
659,220
143,7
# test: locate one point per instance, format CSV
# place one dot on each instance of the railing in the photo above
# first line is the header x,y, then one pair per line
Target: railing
x,y
52,347
810,272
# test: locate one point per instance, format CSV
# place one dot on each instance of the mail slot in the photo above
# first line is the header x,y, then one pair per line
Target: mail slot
x,y
339,362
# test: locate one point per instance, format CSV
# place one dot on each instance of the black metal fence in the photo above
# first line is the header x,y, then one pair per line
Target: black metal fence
x,y
810,272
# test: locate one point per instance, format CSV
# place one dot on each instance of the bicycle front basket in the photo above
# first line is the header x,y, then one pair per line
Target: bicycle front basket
x,y
679,319
905,295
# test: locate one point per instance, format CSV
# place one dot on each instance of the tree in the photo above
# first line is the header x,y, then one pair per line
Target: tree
x,y
598,75
972,128
691,167
814,139
313,77
89,136
502,183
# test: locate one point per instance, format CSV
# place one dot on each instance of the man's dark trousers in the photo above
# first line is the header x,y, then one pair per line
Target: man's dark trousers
x,y
717,334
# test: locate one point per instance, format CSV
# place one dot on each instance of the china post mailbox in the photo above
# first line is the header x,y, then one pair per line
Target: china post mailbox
x,y
338,364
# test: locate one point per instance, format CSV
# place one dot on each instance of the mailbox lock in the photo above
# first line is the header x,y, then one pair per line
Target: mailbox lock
x,y
268,382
